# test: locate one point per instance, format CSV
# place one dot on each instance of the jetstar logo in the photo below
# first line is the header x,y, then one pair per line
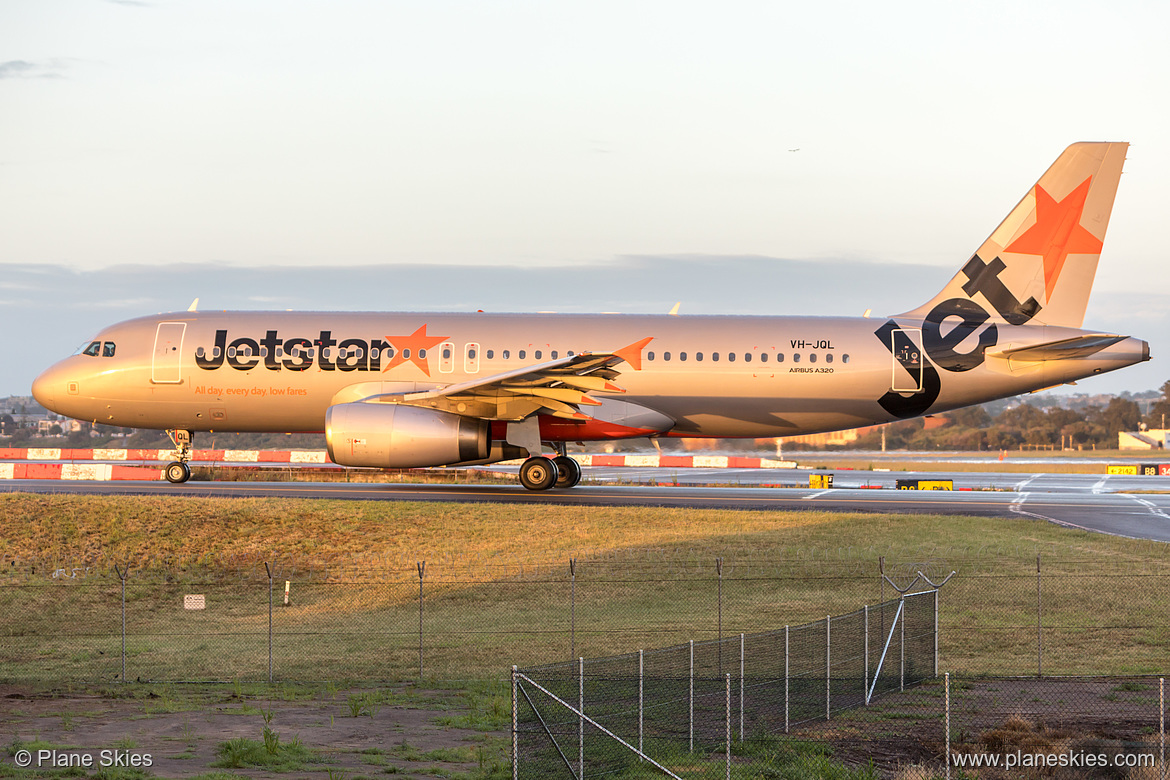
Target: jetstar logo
x,y
295,354
1055,235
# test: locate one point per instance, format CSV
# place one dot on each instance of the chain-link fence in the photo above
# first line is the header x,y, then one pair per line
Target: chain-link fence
x,y
595,717
455,619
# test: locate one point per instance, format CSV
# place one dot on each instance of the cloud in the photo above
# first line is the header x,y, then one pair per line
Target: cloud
x,y
23,69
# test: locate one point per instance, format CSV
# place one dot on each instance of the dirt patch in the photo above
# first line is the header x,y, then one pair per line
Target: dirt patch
x,y
408,731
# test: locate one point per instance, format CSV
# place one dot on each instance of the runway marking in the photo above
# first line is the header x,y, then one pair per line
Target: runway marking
x,y
1021,485
817,495
1153,508
1100,485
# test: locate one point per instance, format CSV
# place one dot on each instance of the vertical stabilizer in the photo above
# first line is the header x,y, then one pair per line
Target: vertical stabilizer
x,y
1038,265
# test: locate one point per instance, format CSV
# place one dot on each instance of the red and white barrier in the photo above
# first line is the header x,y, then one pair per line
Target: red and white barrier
x,y
35,461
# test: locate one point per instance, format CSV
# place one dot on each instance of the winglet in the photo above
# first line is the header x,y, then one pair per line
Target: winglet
x,y
674,309
194,305
632,354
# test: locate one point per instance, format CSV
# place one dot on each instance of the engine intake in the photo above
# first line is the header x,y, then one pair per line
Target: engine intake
x,y
380,435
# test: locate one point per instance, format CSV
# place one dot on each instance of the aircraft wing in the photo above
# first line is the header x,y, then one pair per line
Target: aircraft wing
x,y
1079,347
557,388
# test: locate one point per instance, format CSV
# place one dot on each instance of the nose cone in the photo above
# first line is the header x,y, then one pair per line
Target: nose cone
x,y
49,388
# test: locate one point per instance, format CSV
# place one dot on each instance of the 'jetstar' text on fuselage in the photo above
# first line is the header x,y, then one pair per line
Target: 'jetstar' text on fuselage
x,y
295,354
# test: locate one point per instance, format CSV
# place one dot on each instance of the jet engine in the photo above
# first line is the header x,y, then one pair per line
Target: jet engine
x,y
383,435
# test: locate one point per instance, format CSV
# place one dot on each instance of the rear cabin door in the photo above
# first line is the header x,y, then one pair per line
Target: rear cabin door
x,y
906,346
165,367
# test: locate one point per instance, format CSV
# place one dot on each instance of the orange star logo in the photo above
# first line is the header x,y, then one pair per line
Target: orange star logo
x,y
1057,233
413,349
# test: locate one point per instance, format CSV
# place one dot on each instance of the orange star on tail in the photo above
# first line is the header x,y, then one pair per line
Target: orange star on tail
x,y
412,349
1057,233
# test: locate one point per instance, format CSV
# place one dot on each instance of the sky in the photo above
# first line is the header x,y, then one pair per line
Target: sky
x,y
747,157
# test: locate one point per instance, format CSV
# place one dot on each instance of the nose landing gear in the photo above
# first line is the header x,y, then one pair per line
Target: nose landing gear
x,y
177,471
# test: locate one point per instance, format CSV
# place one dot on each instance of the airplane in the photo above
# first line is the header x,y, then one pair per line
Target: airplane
x,y
412,390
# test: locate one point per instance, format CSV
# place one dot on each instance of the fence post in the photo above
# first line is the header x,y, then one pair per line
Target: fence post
x,y
581,718
785,679
122,577
728,734
902,643
947,736
515,724
422,570
865,674
572,608
741,656
268,569
1039,641
691,706
1162,722
641,672
828,662
935,675
719,569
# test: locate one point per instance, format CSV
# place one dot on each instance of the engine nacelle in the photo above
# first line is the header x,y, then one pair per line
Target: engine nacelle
x,y
396,436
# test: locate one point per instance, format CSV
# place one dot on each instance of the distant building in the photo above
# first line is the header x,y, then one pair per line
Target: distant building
x,y
7,425
1152,439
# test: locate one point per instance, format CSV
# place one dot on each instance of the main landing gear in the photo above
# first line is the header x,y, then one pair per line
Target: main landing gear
x,y
541,473
177,471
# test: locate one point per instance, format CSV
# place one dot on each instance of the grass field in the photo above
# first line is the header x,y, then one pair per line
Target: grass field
x,y
497,588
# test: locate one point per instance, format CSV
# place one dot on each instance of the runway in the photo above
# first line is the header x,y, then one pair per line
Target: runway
x,y
1083,501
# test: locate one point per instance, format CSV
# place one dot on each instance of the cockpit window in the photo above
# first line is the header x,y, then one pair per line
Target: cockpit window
x,y
108,349
93,349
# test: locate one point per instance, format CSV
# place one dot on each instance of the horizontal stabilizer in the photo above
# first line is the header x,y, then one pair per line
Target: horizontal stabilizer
x,y
1064,349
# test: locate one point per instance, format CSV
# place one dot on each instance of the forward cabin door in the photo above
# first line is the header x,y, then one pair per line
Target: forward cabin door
x,y
165,366
906,348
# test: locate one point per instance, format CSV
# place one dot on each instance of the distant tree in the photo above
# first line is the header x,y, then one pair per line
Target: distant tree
x,y
1120,415
1160,409
55,430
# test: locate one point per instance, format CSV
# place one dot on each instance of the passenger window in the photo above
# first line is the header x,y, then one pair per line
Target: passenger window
x,y
682,356
763,357
844,358
507,354
215,353
93,349
470,353
405,354
359,352
422,353
649,355
231,352
199,353
264,352
569,353
795,357
554,354
522,353
812,358
280,352
491,353
389,353
446,353
537,354
666,356
731,357
715,356
308,354
699,356
829,358
108,349
747,357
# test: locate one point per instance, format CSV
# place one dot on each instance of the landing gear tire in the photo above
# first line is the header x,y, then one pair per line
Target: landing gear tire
x,y
538,473
568,471
177,472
